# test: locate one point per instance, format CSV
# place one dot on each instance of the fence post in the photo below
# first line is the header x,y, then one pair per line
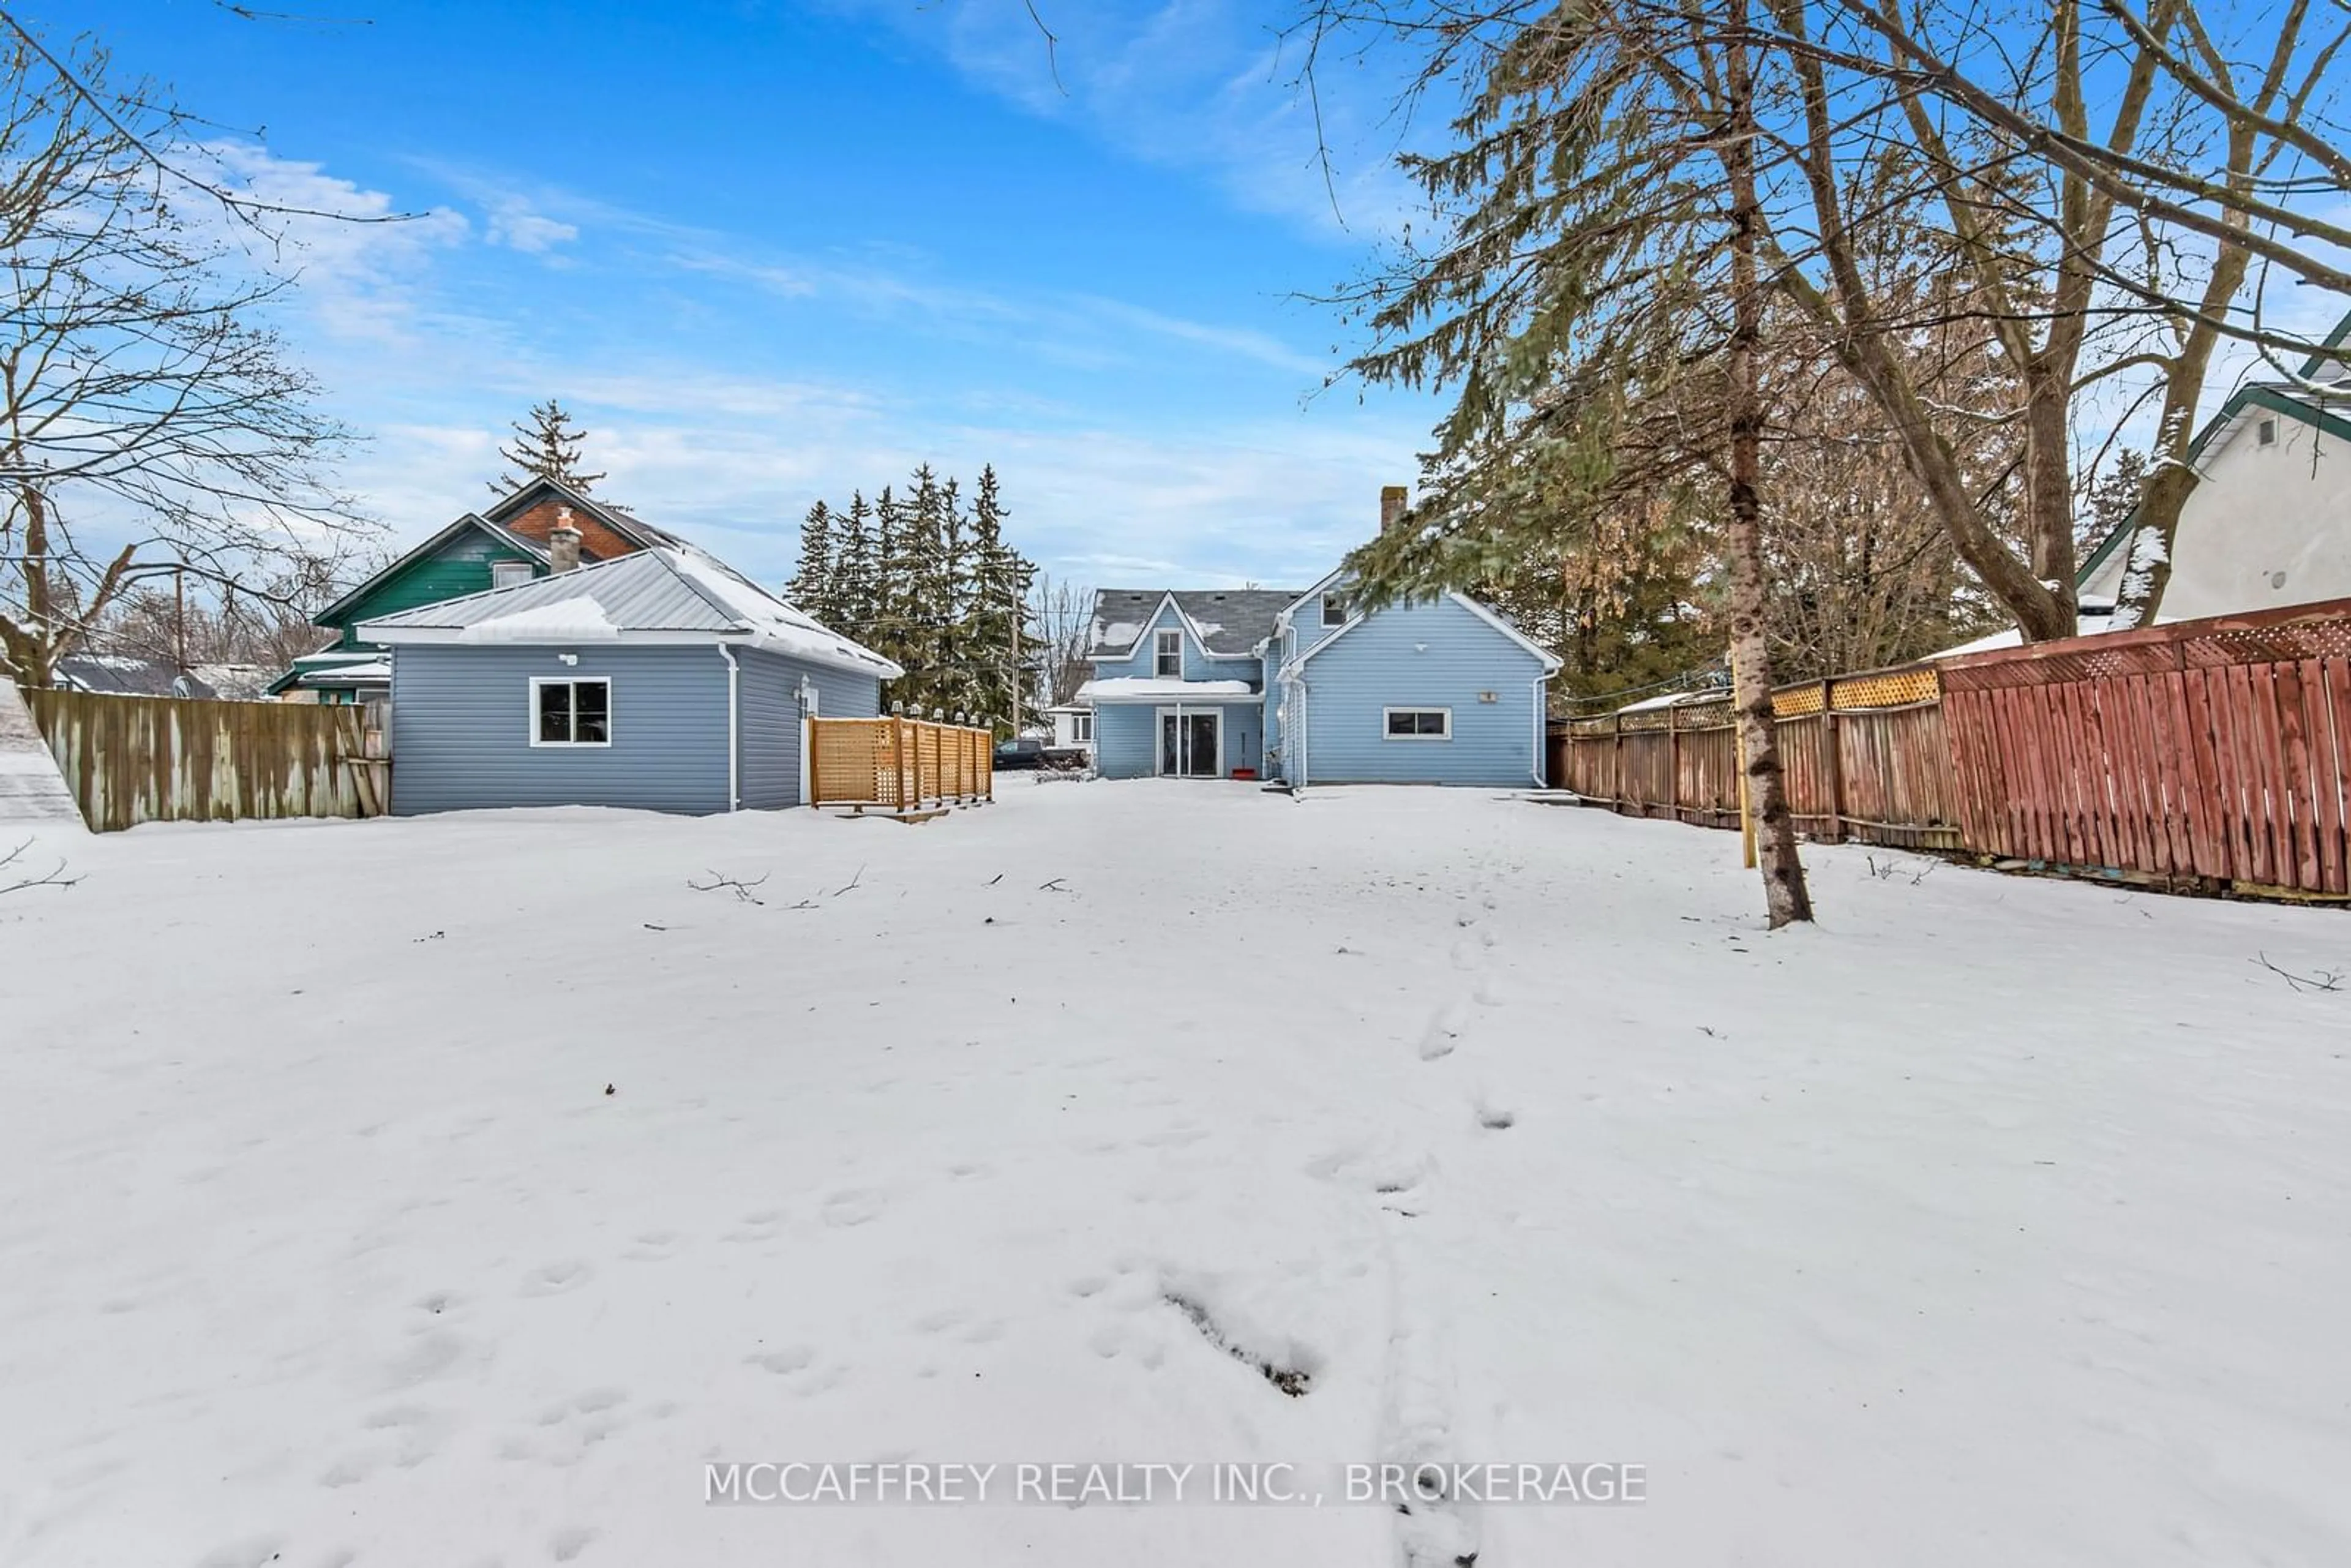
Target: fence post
x,y
1674,760
815,776
1833,762
1616,765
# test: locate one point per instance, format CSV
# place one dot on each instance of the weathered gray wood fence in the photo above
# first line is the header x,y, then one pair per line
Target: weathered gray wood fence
x,y
162,759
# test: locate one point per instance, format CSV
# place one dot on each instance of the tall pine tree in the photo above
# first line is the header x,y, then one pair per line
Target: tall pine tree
x,y
853,572
811,587
997,630
546,445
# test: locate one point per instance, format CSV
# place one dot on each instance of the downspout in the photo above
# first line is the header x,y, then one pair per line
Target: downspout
x,y
1296,744
1540,756
734,728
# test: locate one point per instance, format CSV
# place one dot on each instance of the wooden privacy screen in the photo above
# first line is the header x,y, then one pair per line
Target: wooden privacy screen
x,y
903,764
2216,749
162,759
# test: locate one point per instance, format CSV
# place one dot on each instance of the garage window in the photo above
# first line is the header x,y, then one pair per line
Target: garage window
x,y
571,712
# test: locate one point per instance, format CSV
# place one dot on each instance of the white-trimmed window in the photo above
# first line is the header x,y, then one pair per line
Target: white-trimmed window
x,y
1334,610
1082,728
1167,653
507,573
1416,723
565,711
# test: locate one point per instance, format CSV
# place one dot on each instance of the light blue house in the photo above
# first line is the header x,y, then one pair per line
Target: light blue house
x,y
662,680
1305,688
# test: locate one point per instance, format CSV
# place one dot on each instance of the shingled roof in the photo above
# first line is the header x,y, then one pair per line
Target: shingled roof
x,y
1229,621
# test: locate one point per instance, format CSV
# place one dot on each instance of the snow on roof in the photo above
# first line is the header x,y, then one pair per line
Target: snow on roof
x,y
580,619
1228,622
665,590
1141,688
366,671
1678,699
2096,615
778,628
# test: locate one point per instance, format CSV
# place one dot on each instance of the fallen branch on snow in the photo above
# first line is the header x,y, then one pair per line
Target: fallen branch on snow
x,y
2323,980
741,889
54,877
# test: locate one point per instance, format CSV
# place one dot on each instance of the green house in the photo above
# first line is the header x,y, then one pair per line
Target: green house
x,y
507,544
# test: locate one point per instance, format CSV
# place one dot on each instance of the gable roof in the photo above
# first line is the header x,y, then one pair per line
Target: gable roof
x,y
2316,367
606,531
661,594
1491,617
595,519
126,674
2264,396
332,615
1227,623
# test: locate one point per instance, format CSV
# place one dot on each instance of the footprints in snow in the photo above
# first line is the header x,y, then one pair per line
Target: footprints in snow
x,y
1445,1028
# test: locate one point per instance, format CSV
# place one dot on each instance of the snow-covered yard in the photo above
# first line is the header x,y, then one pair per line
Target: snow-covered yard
x,y
1996,1221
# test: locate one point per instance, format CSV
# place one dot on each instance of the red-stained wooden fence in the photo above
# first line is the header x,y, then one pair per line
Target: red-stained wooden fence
x,y
2208,752
2216,749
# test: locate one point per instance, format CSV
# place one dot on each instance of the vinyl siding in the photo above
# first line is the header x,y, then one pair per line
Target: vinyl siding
x,y
1126,738
771,729
458,567
1437,655
461,724
1123,737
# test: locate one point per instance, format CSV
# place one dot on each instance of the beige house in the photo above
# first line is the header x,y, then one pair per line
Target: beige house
x,y
2270,523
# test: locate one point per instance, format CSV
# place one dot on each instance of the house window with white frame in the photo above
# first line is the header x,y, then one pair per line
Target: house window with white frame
x,y
1167,655
565,712
508,573
1334,610
1082,728
1418,723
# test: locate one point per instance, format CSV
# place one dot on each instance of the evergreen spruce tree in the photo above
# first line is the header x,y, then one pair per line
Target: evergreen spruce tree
x,y
951,589
811,587
546,445
893,585
853,572
997,631
921,547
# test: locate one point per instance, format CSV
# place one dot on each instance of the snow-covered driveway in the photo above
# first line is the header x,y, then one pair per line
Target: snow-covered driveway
x,y
1995,1222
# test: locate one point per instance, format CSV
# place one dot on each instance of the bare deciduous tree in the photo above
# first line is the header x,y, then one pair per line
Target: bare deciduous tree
x,y
151,421
1063,614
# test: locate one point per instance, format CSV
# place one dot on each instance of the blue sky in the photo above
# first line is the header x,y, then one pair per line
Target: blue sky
x,y
771,251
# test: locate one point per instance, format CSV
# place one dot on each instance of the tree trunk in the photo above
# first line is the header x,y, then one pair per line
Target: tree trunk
x,y
1784,892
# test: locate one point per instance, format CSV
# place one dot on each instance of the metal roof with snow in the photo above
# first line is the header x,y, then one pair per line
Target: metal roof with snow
x,y
654,595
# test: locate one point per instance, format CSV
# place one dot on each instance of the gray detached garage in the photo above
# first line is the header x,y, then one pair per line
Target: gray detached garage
x,y
663,680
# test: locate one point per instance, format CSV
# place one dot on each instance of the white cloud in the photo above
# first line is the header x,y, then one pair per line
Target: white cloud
x,y
515,224
1105,478
1204,85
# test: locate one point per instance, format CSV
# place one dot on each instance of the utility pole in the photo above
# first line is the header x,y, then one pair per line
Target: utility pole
x,y
180,616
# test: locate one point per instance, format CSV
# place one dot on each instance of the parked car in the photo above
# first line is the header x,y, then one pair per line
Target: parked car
x,y
1021,751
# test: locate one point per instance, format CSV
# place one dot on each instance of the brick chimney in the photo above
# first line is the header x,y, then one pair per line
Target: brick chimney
x,y
563,543
1393,503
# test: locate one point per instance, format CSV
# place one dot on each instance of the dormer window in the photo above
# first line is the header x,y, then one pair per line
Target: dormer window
x,y
507,573
1167,655
1334,610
